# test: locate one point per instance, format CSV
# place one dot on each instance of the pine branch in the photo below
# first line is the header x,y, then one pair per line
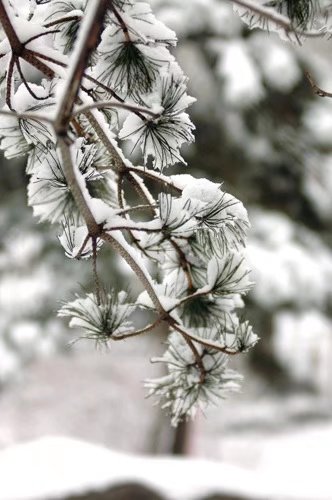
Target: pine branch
x,y
122,247
74,186
88,39
136,333
134,108
280,20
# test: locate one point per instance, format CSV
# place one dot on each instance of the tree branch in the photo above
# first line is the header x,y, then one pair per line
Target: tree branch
x,y
134,108
206,343
88,38
146,329
15,42
270,14
75,188
317,90
126,252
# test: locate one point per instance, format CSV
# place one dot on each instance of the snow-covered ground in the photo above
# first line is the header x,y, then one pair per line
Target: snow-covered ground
x,y
74,422
292,467
56,467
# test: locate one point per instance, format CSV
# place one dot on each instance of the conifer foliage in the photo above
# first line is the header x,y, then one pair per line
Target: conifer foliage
x,y
104,77
293,19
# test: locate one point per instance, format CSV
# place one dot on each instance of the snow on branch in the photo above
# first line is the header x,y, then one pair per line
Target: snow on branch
x,y
294,20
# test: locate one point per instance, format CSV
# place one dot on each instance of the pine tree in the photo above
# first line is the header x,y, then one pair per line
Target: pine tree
x,y
108,78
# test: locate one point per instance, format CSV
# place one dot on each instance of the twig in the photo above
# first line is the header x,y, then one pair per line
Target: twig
x,y
88,38
108,104
75,188
146,329
206,343
155,176
197,357
62,20
94,267
126,252
134,209
317,90
284,22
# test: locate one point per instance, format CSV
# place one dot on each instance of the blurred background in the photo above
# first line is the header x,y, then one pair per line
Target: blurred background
x,y
262,132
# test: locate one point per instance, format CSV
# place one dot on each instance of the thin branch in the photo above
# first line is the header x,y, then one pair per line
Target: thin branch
x,y
35,37
111,92
88,38
62,20
25,83
29,57
155,176
183,262
48,58
8,28
120,190
99,84
206,343
127,210
94,268
10,73
82,248
199,293
146,329
121,205
197,357
283,22
123,105
317,90
141,190
126,252
106,138
134,227
75,188
121,22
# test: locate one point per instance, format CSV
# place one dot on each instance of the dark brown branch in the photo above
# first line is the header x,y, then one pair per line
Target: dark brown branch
x,y
48,58
29,57
94,268
144,172
138,270
35,37
183,263
15,43
280,20
198,359
146,329
121,22
139,190
81,250
62,20
204,342
25,82
9,82
317,90
134,240
73,184
72,87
